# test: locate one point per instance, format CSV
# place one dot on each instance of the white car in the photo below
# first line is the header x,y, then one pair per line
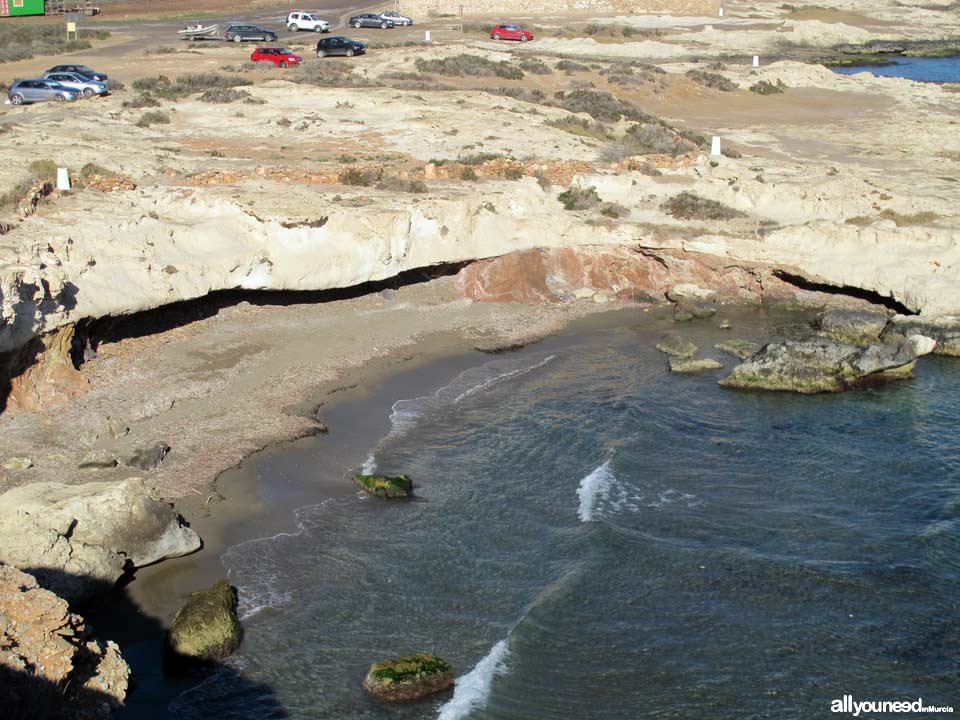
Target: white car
x,y
397,18
301,20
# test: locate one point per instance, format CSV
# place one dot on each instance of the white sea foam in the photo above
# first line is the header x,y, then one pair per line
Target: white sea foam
x,y
593,488
472,690
369,466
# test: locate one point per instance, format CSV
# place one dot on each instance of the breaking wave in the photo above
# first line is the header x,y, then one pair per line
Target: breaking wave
x,y
473,689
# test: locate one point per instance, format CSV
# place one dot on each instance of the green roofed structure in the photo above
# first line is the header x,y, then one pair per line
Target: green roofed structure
x,y
19,8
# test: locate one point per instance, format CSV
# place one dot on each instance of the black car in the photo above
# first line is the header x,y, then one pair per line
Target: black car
x,y
239,33
80,70
340,45
371,20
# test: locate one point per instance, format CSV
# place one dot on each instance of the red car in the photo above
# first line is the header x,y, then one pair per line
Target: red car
x,y
510,32
281,57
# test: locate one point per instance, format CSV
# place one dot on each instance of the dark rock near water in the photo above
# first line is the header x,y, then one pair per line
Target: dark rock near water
x,y
682,314
738,348
860,327
149,457
822,365
945,330
398,486
204,631
408,678
702,310
677,346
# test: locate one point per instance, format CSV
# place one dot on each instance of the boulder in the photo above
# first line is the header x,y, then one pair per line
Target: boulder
x,y
147,458
677,346
702,310
80,539
204,631
682,314
49,664
408,678
398,486
693,365
944,330
822,365
859,327
738,348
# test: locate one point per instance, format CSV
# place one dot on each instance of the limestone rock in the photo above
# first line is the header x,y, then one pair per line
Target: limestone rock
x,y
860,327
944,330
693,365
407,678
702,310
822,365
399,486
42,374
79,539
689,290
48,661
677,346
738,348
17,463
147,458
206,629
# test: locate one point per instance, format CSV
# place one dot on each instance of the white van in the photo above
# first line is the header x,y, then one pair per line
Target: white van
x,y
302,20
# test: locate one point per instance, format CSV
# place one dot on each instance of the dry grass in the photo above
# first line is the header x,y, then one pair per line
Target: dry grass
x,y
690,206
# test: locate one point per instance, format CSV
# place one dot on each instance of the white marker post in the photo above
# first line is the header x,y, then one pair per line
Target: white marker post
x,y
63,179
426,36
756,61
721,11
715,146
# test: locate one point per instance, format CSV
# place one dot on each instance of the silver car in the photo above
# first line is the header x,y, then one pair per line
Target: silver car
x,y
81,83
39,90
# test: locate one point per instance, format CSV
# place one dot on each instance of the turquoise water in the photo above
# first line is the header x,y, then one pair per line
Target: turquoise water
x,y
943,70
594,537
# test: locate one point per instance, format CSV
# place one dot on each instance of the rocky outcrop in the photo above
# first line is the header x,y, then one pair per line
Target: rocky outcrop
x,y
50,667
944,330
398,486
676,346
205,630
738,348
80,539
408,678
860,327
822,365
41,375
693,365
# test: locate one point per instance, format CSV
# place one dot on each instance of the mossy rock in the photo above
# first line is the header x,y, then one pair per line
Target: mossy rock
x,y
676,346
204,631
682,315
408,678
385,486
738,348
693,365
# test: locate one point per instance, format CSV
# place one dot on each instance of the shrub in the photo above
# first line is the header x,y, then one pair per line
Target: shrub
x,y
329,74
712,80
153,117
465,64
600,105
571,66
115,85
765,87
653,138
690,206
578,198
89,170
221,96
162,87
141,101
43,170
579,126
468,173
355,176
905,219
162,50
535,67
512,173
391,182
613,210
23,41
478,158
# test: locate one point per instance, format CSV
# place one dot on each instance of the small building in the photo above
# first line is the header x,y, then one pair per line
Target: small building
x,y
18,8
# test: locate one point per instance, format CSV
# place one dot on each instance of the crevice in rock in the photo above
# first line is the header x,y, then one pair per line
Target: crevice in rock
x,y
848,290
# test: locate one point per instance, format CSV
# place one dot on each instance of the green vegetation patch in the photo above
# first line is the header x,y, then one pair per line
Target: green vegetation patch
x,y
690,206
580,127
386,486
153,117
712,80
407,668
578,198
765,87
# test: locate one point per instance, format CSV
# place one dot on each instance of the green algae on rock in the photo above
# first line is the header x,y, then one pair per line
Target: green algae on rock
x,y
385,486
676,346
408,678
738,348
203,631
693,365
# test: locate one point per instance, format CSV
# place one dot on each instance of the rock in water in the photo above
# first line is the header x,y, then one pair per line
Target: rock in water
x,y
738,348
49,665
945,330
407,678
677,346
859,327
79,539
204,631
822,365
398,486
693,365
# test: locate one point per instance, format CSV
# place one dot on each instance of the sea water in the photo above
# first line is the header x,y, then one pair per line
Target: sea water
x,y
595,537
921,69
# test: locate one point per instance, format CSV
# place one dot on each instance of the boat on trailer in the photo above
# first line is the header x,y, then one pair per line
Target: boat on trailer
x,y
200,32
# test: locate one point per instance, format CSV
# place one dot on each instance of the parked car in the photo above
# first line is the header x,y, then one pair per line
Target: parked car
x,y
340,45
300,20
281,57
23,92
396,18
81,69
239,33
370,20
510,32
81,83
